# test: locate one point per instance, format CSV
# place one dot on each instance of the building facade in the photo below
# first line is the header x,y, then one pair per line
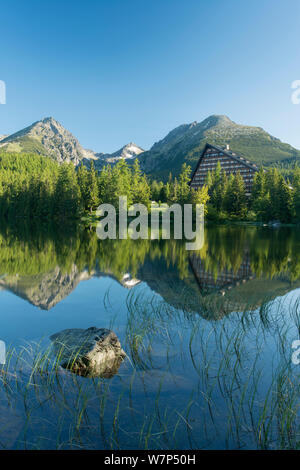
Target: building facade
x,y
229,161
226,278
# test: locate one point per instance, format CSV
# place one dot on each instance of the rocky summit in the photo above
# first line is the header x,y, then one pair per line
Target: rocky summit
x,y
47,137
127,152
185,143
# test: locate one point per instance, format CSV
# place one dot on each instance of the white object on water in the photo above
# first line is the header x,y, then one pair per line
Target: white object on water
x,y
2,352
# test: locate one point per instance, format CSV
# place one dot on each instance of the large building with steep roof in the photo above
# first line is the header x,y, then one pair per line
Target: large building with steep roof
x,y
229,161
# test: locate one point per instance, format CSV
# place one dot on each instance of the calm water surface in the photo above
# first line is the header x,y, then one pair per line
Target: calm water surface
x,y
208,337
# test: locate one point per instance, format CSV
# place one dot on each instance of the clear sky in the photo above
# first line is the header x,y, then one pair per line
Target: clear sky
x,y
115,71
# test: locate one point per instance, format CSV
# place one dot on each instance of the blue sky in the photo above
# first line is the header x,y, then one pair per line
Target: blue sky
x,y
115,71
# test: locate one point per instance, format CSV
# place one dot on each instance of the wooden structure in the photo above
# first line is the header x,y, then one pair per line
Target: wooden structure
x,y
229,161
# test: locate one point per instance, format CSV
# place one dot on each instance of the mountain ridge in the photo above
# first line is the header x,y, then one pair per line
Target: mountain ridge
x,y
48,137
183,144
128,153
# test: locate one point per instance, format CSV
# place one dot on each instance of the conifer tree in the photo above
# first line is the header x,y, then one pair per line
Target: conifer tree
x,y
140,189
83,183
236,196
93,199
200,196
296,194
183,192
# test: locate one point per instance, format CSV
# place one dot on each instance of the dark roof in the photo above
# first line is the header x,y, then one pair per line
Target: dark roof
x,y
230,154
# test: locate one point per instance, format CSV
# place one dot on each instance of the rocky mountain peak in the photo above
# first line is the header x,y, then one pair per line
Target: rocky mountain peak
x,y
47,137
127,152
185,143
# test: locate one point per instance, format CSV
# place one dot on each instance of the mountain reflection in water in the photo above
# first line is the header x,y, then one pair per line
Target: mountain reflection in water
x,y
236,265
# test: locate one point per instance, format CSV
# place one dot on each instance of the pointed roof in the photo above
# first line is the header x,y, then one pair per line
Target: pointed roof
x,y
230,154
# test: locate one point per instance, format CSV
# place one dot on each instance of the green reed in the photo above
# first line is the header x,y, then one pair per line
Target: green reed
x,y
243,392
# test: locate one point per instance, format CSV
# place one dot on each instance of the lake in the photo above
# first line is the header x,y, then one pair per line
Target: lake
x,y
208,337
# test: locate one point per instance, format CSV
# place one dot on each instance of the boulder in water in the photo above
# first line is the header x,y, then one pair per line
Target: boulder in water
x,y
94,352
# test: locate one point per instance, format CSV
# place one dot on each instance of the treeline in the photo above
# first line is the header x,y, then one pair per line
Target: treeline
x,y
178,190
130,181
36,186
273,197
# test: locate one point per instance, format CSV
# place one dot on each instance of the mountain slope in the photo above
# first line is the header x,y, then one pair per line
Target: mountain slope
x,y
186,142
183,144
128,153
47,137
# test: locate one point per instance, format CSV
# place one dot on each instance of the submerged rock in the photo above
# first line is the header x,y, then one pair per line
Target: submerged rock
x,y
95,352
